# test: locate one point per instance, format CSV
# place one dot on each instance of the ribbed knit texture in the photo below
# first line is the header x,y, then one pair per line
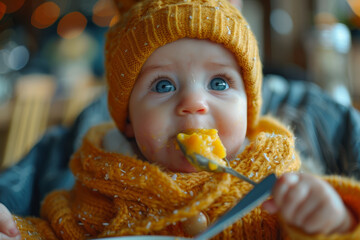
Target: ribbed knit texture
x,y
151,24
116,195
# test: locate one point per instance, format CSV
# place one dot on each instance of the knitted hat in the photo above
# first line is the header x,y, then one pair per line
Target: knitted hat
x,y
150,24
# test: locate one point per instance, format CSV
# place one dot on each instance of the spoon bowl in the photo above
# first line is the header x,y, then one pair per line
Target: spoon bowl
x,y
204,164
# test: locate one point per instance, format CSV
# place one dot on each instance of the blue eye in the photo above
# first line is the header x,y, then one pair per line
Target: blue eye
x,y
218,84
163,86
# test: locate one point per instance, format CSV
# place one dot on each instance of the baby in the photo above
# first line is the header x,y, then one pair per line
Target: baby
x,y
193,83
173,66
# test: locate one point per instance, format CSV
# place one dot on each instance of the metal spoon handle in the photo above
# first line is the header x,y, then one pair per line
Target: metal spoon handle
x,y
239,175
254,198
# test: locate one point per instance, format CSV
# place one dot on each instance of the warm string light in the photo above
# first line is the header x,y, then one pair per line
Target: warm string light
x,y
13,5
2,10
45,15
71,25
104,12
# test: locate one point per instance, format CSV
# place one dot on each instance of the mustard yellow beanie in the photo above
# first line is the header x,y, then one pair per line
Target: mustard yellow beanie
x,y
149,24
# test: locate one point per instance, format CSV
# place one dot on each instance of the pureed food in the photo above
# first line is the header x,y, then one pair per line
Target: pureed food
x,y
205,142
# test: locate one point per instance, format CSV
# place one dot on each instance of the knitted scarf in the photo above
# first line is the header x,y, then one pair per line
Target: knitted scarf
x,y
118,195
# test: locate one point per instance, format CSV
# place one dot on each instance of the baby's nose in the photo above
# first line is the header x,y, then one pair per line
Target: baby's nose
x,y
193,103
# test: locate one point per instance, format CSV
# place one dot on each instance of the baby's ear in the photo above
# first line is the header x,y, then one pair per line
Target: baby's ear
x,y
129,131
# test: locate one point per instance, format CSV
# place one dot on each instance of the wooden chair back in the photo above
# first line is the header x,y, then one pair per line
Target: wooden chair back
x,y
33,96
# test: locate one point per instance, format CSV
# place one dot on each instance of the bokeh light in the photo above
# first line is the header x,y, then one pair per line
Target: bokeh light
x,y
45,15
281,21
355,6
2,10
18,58
13,5
103,13
71,25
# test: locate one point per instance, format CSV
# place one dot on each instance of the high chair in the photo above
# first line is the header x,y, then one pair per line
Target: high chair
x,y
33,95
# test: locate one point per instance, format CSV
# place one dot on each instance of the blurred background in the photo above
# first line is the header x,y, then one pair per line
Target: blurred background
x,y
52,63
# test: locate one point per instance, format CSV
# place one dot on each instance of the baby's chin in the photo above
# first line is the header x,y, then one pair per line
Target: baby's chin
x,y
172,159
184,166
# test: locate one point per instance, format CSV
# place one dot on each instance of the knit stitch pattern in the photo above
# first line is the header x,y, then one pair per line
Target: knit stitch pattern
x,y
151,24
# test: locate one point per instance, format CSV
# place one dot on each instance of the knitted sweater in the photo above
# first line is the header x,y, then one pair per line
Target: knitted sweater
x,y
118,195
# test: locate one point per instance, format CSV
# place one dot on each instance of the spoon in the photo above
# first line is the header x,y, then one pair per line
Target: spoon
x,y
202,163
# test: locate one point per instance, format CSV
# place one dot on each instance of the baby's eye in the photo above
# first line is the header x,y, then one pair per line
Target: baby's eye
x,y
163,86
218,84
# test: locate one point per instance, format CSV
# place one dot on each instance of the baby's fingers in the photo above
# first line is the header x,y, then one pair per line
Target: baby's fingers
x,y
7,224
304,212
329,215
321,220
290,194
281,192
270,206
295,198
282,187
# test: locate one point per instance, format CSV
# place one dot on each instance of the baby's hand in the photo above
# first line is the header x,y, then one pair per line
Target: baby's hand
x,y
310,204
8,228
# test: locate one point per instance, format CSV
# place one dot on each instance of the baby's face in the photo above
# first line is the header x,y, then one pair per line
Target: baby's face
x,y
187,84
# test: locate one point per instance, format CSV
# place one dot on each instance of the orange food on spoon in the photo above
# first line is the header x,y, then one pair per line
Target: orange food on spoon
x,y
205,142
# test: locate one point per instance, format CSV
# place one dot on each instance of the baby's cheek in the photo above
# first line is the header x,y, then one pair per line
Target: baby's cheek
x,y
234,149
142,141
142,147
232,136
151,146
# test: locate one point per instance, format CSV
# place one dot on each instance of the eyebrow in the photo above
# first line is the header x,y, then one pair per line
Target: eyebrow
x,y
154,68
167,67
212,64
